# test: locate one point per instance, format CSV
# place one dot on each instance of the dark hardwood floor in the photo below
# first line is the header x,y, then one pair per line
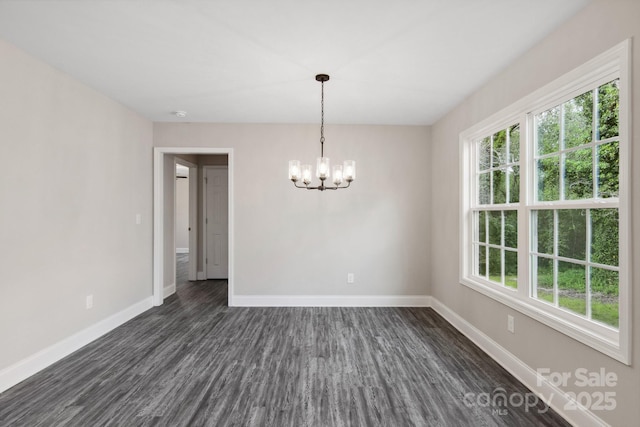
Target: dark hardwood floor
x,y
194,361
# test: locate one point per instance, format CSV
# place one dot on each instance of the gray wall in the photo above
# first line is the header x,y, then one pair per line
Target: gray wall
x,y
600,26
298,242
76,170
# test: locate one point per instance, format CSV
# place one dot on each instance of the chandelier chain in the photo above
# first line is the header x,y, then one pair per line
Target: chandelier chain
x,y
322,120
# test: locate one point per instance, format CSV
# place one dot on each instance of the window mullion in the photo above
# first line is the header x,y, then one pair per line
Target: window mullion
x,y
507,166
526,272
587,256
596,137
486,248
492,169
502,246
556,296
561,154
596,117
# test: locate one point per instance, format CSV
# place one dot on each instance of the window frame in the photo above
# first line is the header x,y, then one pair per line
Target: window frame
x,y
612,64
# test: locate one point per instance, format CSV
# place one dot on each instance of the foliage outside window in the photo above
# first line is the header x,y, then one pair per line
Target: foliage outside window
x,y
543,206
574,256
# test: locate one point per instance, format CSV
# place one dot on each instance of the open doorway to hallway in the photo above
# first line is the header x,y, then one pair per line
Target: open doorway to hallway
x,y
210,238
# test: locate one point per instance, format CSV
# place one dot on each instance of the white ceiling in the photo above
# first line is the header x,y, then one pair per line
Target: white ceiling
x,y
390,61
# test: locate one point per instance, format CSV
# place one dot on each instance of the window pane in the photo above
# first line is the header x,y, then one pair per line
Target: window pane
x,y
578,120
482,261
484,188
514,143
500,148
544,231
548,179
572,287
604,296
608,109
484,154
548,131
578,175
495,227
482,227
511,269
608,169
544,286
499,187
514,184
511,229
495,265
604,236
572,233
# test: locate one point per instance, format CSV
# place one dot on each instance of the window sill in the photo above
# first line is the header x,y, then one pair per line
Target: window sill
x,y
604,344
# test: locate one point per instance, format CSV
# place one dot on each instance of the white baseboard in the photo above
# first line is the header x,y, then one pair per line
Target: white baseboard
x,y
169,290
201,276
25,368
331,301
182,250
546,391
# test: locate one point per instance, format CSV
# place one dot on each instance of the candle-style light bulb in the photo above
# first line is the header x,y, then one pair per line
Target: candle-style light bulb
x,y
294,170
323,168
306,174
349,170
337,175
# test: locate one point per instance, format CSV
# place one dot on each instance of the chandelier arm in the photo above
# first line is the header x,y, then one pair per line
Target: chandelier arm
x,y
306,187
346,186
338,187
322,187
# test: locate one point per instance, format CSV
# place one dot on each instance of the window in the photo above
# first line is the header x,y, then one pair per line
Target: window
x,y
574,256
545,205
495,221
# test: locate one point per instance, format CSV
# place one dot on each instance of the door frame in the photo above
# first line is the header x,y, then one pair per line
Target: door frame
x,y
158,216
193,216
204,212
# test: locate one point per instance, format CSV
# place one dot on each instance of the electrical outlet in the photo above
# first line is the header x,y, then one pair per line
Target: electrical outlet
x,y
138,219
89,301
351,278
511,324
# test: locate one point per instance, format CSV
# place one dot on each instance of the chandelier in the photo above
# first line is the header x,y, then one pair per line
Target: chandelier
x,y
341,174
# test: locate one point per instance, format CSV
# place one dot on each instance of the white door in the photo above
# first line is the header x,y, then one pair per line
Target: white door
x,y
216,222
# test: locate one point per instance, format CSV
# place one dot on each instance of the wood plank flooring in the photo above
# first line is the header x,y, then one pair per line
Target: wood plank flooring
x,y
196,362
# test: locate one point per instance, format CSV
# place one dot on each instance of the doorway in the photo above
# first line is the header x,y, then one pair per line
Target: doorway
x,y
163,234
